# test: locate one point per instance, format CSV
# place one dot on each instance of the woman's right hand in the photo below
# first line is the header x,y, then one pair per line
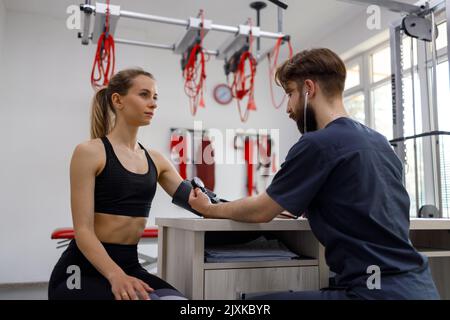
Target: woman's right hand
x,y
125,287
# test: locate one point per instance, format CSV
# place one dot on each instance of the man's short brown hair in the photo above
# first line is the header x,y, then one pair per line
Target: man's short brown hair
x,y
321,65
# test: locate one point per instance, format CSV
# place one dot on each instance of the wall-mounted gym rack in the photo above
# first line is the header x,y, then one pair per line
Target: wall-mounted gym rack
x,y
193,25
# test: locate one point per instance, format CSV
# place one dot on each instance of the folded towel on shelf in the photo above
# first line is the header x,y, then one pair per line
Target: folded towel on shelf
x,y
260,249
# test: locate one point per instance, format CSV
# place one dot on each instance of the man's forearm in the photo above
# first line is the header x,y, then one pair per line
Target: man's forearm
x,y
244,210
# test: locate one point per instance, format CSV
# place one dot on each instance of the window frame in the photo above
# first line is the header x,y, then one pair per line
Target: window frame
x,y
366,85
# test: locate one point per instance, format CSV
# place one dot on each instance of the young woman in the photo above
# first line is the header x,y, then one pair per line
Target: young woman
x,y
113,181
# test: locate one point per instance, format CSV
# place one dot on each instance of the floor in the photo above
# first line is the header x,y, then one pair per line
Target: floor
x,y
31,291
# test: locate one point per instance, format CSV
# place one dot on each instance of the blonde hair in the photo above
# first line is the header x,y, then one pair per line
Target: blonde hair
x,y
102,111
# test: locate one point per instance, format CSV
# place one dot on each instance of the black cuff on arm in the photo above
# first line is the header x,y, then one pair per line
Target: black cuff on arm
x,y
181,197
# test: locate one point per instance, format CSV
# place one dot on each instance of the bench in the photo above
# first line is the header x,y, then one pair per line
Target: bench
x,y
149,236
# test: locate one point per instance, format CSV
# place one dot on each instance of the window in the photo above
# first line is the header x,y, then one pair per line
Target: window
x,y
367,95
441,40
354,105
407,52
443,93
380,91
412,110
382,104
381,64
445,175
353,77
354,100
416,192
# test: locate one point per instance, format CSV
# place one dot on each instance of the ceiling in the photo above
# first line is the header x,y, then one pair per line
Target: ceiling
x,y
303,20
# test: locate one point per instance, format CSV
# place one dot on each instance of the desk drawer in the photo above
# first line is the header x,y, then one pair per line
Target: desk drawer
x,y
228,283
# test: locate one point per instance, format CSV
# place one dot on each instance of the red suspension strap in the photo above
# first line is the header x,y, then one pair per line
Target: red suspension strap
x,y
248,156
104,61
272,68
239,86
179,152
194,74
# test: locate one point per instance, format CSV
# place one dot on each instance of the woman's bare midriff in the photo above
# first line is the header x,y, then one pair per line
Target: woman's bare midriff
x,y
111,228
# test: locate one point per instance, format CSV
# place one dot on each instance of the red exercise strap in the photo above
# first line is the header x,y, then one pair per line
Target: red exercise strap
x,y
178,144
274,164
104,60
272,68
248,156
194,82
205,170
239,87
265,149
267,157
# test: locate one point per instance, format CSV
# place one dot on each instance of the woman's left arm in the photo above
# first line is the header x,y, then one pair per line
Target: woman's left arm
x,y
168,177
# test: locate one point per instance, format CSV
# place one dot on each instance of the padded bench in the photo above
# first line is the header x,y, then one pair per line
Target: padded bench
x,y
149,236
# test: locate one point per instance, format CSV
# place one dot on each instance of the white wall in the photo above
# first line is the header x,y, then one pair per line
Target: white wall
x,y
44,114
2,31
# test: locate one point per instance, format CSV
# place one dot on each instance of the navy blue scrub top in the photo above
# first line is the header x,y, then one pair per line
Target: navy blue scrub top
x,y
348,181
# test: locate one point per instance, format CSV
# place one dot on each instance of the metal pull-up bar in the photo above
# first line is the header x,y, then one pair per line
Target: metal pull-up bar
x,y
192,23
185,23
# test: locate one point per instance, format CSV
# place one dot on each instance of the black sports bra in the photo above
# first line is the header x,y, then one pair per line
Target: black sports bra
x,y
122,192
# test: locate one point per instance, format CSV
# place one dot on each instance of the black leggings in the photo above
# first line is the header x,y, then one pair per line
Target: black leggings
x,y
93,285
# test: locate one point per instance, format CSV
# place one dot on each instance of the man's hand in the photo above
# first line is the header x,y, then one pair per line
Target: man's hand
x,y
199,201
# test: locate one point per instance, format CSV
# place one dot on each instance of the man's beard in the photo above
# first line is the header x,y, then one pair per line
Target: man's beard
x,y
311,123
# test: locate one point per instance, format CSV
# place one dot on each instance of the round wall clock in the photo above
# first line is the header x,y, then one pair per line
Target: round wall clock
x,y
222,94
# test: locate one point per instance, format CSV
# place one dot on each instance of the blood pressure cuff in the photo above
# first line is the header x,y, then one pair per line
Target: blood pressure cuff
x,y
181,197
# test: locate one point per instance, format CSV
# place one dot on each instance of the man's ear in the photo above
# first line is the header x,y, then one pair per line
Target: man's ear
x,y
309,88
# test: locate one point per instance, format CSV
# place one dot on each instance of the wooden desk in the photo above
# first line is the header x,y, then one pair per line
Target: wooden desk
x,y
181,262
431,237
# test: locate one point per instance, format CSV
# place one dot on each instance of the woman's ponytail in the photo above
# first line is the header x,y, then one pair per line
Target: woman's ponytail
x,y
101,114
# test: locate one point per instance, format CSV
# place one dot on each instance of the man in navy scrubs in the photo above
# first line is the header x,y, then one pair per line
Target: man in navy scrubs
x,y
347,180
